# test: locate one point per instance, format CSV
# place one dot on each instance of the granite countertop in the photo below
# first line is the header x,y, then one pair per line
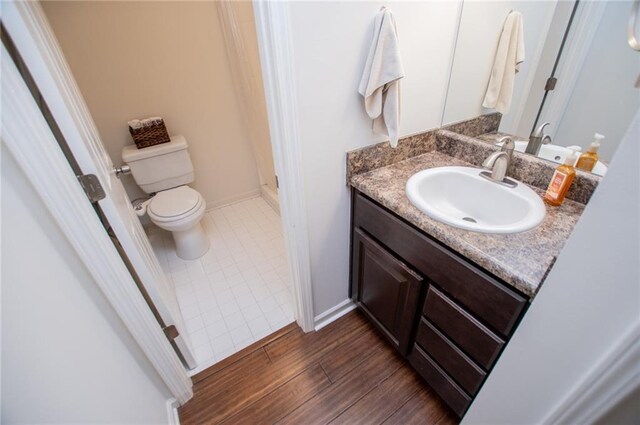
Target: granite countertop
x,y
494,136
522,260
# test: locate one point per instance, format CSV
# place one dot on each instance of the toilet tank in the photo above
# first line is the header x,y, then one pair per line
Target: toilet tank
x,y
160,167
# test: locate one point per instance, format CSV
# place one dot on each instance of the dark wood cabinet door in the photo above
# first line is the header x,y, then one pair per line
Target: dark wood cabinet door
x,y
385,289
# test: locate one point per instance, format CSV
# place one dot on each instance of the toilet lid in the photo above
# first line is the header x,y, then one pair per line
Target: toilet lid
x,y
174,202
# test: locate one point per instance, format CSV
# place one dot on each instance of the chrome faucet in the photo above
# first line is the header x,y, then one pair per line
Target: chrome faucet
x,y
537,139
498,162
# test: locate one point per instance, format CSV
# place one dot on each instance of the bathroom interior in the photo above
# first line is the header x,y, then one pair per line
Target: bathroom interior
x,y
451,237
235,289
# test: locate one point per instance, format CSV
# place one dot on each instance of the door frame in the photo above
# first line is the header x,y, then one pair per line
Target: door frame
x,y
606,384
577,46
273,28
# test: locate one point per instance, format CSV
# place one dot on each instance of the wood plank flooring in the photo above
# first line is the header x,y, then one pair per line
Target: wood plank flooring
x,y
345,373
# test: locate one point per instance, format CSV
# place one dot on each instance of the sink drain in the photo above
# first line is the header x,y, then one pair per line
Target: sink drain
x,y
472,220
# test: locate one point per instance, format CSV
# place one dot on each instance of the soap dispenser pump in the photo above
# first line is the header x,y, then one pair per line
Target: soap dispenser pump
x,y
561,180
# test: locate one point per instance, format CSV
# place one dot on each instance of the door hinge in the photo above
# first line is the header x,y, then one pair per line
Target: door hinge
x,y
171,332
92,187
277,183
551,84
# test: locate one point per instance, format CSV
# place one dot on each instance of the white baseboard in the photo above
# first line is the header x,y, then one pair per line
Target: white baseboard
x,y
172,412
270,197
334,313
230,200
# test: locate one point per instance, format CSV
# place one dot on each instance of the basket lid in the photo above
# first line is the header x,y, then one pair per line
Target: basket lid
x,y
131,153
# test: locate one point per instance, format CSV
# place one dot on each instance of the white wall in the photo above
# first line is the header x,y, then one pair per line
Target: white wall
x,y
331,41
139,59
589,301
66,356
604,99
480,29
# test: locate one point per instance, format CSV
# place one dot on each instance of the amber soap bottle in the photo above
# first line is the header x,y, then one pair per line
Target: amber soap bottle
x,y
589,159
561,181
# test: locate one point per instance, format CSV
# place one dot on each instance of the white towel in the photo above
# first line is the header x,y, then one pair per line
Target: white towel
x,y
135,124
506,64
147,122
380,83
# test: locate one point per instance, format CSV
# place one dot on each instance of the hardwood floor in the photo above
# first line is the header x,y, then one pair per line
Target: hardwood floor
x,y
343,374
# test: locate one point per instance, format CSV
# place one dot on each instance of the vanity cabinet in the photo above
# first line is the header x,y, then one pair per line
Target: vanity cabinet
x,y
448,317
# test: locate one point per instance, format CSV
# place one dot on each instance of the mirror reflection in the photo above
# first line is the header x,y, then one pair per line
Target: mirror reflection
x,y
567,64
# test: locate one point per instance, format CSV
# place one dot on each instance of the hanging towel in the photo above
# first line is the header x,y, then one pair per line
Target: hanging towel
x,y
380,85
506,64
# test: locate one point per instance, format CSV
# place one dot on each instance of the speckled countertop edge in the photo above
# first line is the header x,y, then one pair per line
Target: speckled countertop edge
x,y
522,260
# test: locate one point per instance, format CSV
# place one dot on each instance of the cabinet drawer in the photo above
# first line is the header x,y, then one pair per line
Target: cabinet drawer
x,y
449,357
469,334
490,300
438,379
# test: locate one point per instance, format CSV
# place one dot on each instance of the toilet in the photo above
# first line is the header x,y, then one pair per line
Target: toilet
x,y
164,171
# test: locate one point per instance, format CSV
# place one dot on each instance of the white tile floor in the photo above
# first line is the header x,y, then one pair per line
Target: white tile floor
x,y
239,291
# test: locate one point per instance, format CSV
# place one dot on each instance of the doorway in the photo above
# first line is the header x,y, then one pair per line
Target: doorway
x,y
194,77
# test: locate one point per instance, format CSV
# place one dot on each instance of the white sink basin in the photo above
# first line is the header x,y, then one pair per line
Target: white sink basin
x,y
557,154
461,197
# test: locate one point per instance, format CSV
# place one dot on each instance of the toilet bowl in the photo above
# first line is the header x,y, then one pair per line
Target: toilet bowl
x,y
179,210
164,170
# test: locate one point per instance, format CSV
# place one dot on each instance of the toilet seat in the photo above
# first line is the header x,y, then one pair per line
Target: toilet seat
x,y
174,204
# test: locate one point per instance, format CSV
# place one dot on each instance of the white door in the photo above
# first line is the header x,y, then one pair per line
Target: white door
x,y
43,57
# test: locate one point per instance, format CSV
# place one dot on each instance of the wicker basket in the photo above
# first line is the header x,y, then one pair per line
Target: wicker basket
x,y
150,135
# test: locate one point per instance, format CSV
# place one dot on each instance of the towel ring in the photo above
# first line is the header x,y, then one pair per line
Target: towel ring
x,y
631,32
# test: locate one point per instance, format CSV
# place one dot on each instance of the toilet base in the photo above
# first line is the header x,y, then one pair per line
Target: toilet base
x,y
191,244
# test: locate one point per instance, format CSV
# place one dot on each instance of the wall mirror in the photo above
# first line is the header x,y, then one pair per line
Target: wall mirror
x,y
579,73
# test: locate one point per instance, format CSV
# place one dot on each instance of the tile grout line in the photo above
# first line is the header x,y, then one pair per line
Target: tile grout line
x,y
243,238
